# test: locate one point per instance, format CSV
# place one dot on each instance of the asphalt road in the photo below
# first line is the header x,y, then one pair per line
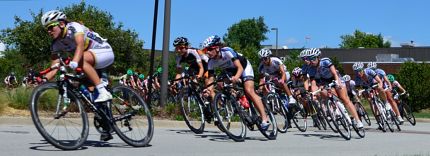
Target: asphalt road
x,y
18,136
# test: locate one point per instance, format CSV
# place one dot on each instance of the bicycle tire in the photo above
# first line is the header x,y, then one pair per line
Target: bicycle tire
x,y
225,111
395,120
363,115
299,114
272,132
278,110
128,112
192,112
408,113
380,118
329,115
343,124
74,109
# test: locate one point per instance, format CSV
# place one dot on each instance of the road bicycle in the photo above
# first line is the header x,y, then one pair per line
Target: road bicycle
x,y
59,111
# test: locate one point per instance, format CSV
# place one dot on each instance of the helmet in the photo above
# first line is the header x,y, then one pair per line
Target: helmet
x,y
264,53
297,71
212,41
346,78
160,69
129,72
372,65
303,53
391,77
358,66
12,73
52,16
314,52
141,76
180,41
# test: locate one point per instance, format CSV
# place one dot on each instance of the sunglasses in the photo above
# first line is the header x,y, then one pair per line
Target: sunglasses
x,y
359,70
210,48
52,25
311,58
181,47
264,58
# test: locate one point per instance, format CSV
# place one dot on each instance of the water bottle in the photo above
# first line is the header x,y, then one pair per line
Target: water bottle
x,y
387,106
244,102
284,100
85,91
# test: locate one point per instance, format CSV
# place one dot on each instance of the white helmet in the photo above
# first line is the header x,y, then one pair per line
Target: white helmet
x,y
314,52
264,53
346,78
303,53
372,65
358,66
52,16
297,71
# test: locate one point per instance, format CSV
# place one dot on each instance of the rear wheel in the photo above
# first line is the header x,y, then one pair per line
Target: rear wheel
x,y
299,117
131,117
362,113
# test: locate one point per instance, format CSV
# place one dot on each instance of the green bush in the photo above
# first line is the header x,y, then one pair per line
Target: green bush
x,y
414,77
18,98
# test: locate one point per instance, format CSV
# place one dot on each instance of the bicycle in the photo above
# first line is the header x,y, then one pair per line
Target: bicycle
x,y
277,103
361,111
59,109
297,112
195,108
232,116
404,108
337,114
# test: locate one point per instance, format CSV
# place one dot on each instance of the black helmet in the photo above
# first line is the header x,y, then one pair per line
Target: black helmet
x,y
180,41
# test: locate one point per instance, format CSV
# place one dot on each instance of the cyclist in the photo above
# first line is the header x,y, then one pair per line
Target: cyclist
x,y
396,86
87,46
10,79
229,60
188,55
387,88
127,79
350,86
274,66
321,72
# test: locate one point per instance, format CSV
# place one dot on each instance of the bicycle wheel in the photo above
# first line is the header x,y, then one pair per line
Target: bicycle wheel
x,y
299,117
379,115
228,118
131,117
395,120
362,113
328,109
407,112
64,126
192,112
343,126
278,110
272,132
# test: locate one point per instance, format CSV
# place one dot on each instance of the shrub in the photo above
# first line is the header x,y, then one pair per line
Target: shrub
x,y
414,77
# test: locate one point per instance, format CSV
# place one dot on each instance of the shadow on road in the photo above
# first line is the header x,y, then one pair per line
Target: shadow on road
x,y
45,146
215,135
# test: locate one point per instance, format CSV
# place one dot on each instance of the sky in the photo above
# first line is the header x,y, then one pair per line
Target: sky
x,y
300,23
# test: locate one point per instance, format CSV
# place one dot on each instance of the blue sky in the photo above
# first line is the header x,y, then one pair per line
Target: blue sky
x,y
399,21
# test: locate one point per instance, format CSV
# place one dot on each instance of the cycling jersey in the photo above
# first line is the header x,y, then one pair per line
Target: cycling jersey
x,y
228,56
370,75
274,68
321,73
102,51
192,58
381,74
350,87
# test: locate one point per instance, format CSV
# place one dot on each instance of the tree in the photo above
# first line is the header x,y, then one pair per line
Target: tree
x,y
30,39
362,39
245,37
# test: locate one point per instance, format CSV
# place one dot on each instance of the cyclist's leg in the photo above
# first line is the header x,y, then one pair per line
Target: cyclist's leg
x,y
341,92
249,91
98,59
392,102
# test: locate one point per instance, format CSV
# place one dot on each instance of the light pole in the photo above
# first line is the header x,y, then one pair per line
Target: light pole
x,y
276,51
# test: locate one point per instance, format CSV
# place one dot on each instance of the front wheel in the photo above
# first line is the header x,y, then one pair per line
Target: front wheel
x,y
192,112
131,116
279,111
407,113
63,125
228,118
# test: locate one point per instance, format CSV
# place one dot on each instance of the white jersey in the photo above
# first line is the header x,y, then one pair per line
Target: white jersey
x,y
274,67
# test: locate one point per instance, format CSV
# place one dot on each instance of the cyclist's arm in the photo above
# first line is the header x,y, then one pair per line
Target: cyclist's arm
x,y
201,70
334,73
79,39
401,88
239,68
388,82
6,80
54,61
283,75
209,81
